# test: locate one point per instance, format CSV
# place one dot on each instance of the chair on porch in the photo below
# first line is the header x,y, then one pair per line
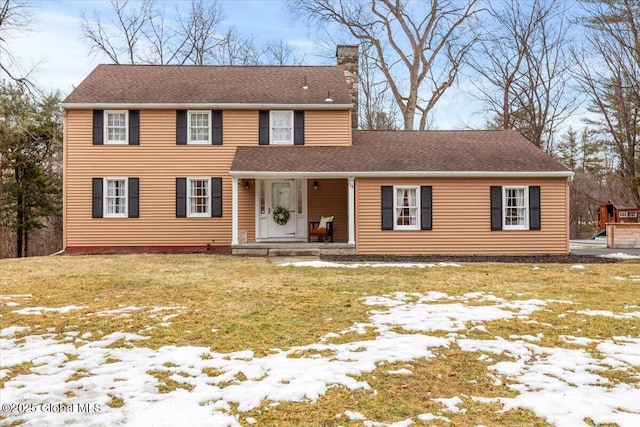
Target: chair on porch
x,y
323,229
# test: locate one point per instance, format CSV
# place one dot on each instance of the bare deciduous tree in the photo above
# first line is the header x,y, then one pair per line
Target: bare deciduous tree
x,y
524,73
144,33
376,109
419,46
14,17
609,72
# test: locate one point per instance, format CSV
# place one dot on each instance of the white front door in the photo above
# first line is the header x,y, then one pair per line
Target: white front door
x,y
281,195
281,198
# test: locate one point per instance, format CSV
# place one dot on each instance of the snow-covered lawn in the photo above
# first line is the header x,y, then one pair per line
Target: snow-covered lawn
x,y
76,379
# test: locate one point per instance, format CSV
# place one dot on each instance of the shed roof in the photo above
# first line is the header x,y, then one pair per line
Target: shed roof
x,y
620,204
176,84
418,152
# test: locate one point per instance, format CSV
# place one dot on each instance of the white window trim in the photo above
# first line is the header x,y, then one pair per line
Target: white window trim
x,y
623,214
395,210
206,214
106,124
525,226
290,142
105,181
202,142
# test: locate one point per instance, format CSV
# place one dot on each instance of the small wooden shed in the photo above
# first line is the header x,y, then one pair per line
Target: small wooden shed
x,y
615,211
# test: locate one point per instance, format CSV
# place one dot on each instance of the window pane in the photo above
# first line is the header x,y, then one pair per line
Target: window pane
x,y
515,207
406,207
199,196
116,197
199,127
116,127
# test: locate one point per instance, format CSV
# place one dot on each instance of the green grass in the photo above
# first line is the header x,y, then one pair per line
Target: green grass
x,y
231,304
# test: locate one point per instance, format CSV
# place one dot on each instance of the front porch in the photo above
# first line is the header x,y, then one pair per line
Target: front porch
x,y
306,199
286,249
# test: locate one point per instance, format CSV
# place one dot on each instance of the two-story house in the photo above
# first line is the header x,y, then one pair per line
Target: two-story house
x,y
179,157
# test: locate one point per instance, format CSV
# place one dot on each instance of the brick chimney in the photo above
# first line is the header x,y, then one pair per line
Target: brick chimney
x,y
347,58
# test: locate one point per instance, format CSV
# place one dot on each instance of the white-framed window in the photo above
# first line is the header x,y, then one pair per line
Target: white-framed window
x,y
115,197
406,203
515,205
633,214
623,214
199,127
281,127
199,197
116,127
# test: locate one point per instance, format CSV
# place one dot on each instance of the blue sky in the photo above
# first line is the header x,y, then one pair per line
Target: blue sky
x,y
57,45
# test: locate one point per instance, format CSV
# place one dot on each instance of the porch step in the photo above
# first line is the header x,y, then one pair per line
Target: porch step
x,y
294,252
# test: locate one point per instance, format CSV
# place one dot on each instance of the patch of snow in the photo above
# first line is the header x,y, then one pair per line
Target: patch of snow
x,y
630,315
619,255
431,417
12,330
12,304
40,310
402,371
577,267
451,404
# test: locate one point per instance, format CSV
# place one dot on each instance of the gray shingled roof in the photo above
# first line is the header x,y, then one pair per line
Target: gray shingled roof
x,y
405,151
175,84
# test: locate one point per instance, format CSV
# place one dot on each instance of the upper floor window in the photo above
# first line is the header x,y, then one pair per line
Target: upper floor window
x,y
281,127
406,208
116,127
115,197
515,206
199,127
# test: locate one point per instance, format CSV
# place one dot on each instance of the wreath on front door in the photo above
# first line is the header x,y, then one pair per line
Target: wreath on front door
x,y
281,215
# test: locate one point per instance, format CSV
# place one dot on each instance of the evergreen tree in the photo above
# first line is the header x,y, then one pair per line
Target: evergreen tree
x,y
30,159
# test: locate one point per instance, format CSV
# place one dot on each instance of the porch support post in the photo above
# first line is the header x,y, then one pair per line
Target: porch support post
x,y
234,211
351,191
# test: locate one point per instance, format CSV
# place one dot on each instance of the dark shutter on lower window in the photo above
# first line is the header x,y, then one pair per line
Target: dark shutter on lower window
x,y
181,197
426,210
298,127
216,123
216,197
96,193
98,130
534,207
134,197
496,208
134,127
387,207
263,127
181,127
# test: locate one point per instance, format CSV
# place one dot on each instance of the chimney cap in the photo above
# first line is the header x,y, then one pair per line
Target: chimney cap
x,y
347,49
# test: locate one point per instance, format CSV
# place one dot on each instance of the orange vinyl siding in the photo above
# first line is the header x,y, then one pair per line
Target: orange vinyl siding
x,y
327,127
461,219
330,199
157,161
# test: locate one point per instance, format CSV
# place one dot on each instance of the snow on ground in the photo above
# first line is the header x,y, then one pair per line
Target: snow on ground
x,y
620,255
75,376
325,264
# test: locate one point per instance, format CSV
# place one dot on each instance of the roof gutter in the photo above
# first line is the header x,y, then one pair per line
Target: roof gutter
x,y
401,174
200,106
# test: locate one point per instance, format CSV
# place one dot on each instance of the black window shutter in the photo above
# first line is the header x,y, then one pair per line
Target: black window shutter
x,y
426,210
263,127
216,197
387,207
496,208
298,127
134,127
181,127
534,207
216,123
96,192
134,197
181,197
98,130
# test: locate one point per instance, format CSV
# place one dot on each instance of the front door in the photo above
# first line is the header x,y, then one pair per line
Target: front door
x,y
281,218
274,199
